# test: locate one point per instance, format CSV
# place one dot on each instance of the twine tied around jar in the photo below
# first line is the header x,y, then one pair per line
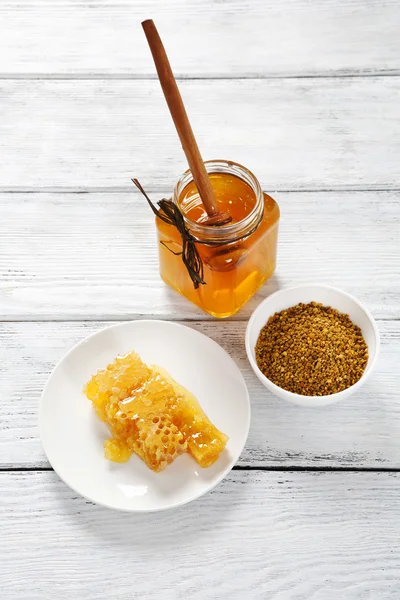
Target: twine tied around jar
x,y
171,214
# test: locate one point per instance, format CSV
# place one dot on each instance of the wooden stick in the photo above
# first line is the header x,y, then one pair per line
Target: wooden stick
x,y
182,124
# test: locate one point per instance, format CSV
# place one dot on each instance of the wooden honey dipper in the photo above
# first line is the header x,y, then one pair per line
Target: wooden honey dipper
x,y
183,127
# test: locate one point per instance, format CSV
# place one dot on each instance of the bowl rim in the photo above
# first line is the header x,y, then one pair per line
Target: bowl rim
x,y
292,396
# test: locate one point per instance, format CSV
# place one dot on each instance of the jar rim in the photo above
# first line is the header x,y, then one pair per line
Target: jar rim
x,y
233,230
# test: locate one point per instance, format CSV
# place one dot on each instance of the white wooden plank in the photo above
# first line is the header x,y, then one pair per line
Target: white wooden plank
x,y
203,37
292,133
286,536
94,256
361,432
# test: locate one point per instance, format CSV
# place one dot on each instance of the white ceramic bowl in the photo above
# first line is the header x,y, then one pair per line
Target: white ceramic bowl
x,y
329,296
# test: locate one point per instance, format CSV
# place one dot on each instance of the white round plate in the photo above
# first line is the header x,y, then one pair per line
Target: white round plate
x,y
73,436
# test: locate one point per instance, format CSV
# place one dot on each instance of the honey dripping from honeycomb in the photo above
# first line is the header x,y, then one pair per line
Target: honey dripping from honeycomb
x,y
150,414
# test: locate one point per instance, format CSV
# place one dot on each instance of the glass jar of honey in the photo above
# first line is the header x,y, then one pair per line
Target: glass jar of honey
x,y
237,258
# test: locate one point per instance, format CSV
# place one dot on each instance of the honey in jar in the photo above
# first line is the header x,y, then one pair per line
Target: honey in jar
x,y
237,258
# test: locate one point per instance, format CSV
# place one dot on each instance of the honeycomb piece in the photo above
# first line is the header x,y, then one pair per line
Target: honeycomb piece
x,y
116,382
117,450
149,408
205,442
150,414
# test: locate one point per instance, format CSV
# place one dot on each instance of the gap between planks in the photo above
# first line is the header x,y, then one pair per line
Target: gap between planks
x,y
202,77
272,468
156,190
131,317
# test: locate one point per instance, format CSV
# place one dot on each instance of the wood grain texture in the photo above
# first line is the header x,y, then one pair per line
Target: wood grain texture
x,y
94,256
292,133
282,536
307,95
230,38
361,432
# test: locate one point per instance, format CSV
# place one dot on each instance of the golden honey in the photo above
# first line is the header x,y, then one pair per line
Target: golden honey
x,y
150,414
237,258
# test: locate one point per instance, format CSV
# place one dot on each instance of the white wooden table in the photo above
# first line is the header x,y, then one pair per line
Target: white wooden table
x,y
307,95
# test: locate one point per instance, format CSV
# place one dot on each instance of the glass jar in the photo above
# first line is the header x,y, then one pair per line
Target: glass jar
x,y
237,258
